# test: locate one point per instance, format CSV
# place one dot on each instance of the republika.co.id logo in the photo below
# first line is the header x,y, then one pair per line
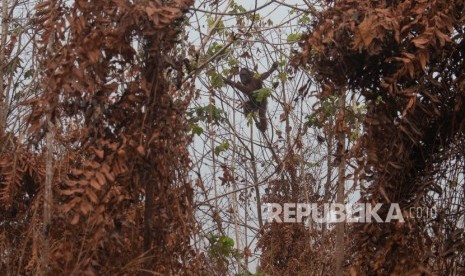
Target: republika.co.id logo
x,y
336,212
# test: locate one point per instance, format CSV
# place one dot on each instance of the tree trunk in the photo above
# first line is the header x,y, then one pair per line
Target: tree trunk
x,y
47,197
3,94
340,127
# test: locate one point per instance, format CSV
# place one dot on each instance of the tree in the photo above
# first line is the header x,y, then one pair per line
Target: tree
x,y
396,61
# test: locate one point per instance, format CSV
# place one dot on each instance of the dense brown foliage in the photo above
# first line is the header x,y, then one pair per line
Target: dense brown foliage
x,y
407,59
294,248
121,198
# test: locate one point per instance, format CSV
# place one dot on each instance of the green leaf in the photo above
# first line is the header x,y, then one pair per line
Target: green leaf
x,y
208,114
305,19
232,62
216,80
29,73
312,120
196,129
328,106
220,246
379,100
214,48
250,118
223,147
353,135
262,94
235,8
226,242
218,28
282,76
294,37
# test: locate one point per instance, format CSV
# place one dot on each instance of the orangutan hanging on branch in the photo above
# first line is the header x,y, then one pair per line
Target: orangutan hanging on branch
x,y
249,85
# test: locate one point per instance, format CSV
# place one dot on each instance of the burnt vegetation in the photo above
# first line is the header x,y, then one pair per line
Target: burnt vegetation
x,y
121,152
